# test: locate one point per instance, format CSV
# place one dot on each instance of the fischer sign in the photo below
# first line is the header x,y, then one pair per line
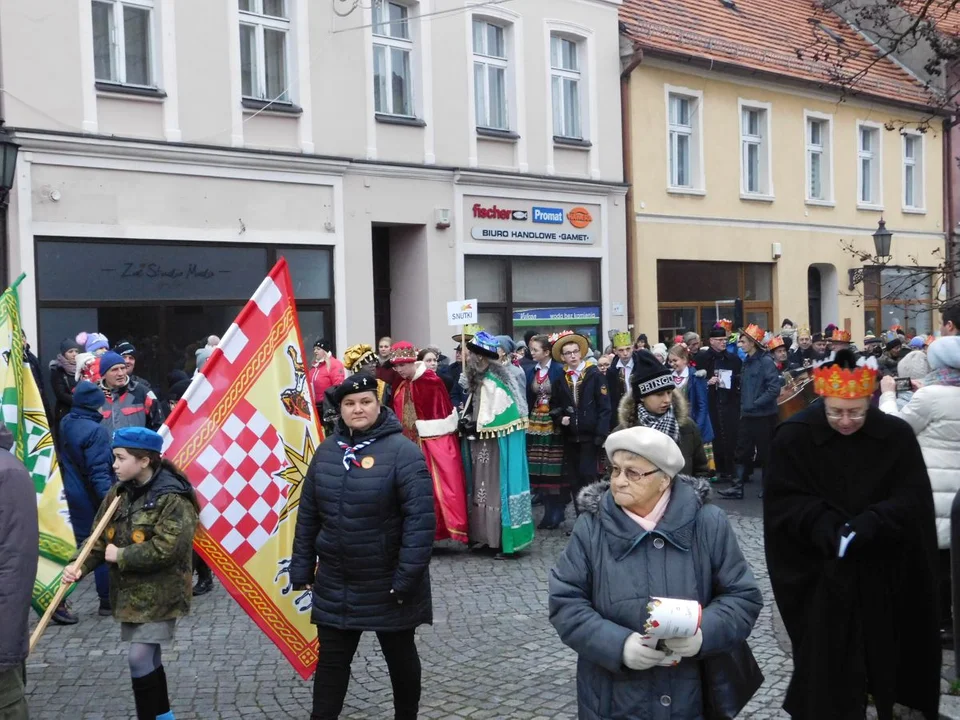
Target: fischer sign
x,y
495,213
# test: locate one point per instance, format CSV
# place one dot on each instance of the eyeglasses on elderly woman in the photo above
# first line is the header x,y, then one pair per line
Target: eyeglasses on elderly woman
x,y
632,475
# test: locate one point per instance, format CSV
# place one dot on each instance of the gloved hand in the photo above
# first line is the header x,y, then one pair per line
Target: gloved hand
x,y
398,597
687,646
464,382
638,656
467,426
866,527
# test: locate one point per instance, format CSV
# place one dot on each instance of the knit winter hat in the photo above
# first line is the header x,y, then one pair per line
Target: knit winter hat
x,y
88,395
68,344
506,343
917,343
110,359
649,374
944,353
94,341
915,365
657,447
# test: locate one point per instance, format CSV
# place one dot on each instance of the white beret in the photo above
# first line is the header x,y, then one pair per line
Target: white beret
x,y
651,444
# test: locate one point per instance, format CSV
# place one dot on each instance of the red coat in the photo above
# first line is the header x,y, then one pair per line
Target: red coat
x,y
325,375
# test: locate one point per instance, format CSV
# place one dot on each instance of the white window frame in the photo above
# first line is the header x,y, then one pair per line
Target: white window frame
x,y
876,156
765,144
583,86
919,170
826,154
697,168
260,23
489,61
409,45
118,42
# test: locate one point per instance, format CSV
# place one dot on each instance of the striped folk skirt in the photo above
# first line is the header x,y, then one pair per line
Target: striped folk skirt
x,y
544,451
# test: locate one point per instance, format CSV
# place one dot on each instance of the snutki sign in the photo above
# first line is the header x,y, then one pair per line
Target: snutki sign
x,y
461,312
517,220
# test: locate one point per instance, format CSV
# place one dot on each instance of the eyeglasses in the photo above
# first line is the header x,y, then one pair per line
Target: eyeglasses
x,y
632,475
854,415
567,353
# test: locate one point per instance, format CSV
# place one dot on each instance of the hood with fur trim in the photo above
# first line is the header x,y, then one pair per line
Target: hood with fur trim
x,y
627,410
588,499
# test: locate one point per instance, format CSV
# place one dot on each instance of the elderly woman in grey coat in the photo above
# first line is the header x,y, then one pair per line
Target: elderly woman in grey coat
x,y
649,533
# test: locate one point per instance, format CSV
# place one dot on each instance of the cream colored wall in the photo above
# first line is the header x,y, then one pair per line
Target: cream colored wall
x,y
720,226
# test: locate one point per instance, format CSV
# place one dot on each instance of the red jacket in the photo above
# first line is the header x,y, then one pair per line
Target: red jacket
x,y
325,375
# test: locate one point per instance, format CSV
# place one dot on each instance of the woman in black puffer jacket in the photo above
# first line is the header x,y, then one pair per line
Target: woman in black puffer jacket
x,y
363,539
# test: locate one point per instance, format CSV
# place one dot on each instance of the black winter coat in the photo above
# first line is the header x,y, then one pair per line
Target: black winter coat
x,y
63,384
365,531
590,418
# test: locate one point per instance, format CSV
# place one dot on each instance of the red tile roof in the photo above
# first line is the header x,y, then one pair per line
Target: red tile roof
x,y
768,36
944,14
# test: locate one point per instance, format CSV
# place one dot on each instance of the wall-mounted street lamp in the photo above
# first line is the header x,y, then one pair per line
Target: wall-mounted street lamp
x,y
8,164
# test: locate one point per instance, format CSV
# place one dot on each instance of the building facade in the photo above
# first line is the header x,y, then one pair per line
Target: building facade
x,y
756,188
399,156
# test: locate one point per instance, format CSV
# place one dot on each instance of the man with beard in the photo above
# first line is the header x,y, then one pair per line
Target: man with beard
x,y
851,548
495,452
723,396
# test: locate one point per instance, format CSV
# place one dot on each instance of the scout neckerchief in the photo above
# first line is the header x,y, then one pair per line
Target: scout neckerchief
x,y
350,452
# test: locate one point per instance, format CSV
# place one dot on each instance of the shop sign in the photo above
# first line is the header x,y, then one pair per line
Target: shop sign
x,y
568,316
554,216
497,213
531,235
461,312
579,217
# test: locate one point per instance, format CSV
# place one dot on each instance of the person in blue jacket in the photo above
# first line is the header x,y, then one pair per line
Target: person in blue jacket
x,y
693,381
86,455
760,385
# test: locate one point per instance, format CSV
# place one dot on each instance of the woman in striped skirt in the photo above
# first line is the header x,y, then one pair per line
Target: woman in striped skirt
x,y
544,441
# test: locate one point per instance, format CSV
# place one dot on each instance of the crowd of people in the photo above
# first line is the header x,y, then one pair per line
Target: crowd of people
x,y
421,448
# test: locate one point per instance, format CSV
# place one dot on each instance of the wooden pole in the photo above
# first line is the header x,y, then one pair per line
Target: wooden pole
x,y
463,350
81,559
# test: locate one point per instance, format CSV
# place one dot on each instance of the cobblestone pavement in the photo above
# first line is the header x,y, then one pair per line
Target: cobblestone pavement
x,y
491,653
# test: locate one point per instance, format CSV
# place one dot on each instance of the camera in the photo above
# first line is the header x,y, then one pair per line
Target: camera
x,y
904,385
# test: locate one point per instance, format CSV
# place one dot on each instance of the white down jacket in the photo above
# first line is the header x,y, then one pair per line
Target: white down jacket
x,y
934,414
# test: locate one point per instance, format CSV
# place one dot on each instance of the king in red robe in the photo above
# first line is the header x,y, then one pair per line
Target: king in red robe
x,y
422,404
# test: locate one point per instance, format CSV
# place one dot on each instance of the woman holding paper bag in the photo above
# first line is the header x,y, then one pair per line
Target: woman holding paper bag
x,y
646,540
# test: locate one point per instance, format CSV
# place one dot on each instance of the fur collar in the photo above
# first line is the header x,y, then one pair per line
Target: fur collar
x,y
588,500
627,410
504,376
421,369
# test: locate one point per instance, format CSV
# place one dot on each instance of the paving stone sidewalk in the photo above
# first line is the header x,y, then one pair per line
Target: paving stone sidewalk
x,y
491,653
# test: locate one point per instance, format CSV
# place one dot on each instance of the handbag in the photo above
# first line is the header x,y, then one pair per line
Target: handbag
x,y
728,680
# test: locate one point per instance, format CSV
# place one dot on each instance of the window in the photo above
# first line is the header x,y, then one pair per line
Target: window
x,y
490,75
122,51
392,51
684,130
565,85
819,159
264,29
913,172
868,168
899,296
755,150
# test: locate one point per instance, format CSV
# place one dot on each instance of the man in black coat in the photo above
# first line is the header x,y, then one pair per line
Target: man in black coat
x,y
723,398
851,548
582,404
618,376
363,539
19,550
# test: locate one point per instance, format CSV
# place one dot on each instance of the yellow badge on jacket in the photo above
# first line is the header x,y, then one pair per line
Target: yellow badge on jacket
x,y
603,389
138,536
367,463
111,532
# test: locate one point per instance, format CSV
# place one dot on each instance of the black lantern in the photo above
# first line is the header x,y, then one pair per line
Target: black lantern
x,y
8,164
881,240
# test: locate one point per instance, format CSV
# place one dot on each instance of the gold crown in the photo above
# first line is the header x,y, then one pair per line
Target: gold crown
x,y
355,355
755,333
804,331
403,352
726,325
839,335
836,382
622,339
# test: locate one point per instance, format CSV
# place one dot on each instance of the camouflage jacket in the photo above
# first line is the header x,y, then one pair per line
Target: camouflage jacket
x,y
153,529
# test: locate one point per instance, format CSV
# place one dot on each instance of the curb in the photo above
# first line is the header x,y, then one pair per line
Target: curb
x,y
949,707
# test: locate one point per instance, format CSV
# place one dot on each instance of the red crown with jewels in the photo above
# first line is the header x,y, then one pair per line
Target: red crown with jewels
x,y
836,382
843,336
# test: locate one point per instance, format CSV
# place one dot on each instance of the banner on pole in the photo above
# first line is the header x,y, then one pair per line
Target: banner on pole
x,y
462,312
244,434
24,415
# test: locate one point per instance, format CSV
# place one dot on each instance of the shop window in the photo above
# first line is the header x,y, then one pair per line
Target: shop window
x,y
758,283
898,296
536,280
486,279
682,281
310,271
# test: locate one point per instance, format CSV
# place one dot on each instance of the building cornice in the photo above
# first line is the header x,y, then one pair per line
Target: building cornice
x,y
550,183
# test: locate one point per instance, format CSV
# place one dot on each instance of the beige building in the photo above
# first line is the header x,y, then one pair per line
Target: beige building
x,y
754,181
398,156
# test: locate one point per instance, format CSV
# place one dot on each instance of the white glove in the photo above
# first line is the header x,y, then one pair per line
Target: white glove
x,y
464,381
638,656
687,646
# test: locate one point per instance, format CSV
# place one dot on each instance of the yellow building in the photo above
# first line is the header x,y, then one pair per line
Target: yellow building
x,y
754,179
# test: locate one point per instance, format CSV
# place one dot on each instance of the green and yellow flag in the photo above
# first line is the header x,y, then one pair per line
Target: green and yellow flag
x,y
33,446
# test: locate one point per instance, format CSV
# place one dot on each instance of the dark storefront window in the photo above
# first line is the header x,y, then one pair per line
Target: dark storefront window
x,y
166,298
693,295
898,296
543,294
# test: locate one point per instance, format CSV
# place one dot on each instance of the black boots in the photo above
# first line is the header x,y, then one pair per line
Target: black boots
x,y
150,696
735,491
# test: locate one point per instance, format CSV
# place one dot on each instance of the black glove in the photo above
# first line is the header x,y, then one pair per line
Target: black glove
x,y
867,526
399,597
599,440
467,425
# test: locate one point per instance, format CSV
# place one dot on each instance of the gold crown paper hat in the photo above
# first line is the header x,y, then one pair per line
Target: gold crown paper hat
x,y
622,339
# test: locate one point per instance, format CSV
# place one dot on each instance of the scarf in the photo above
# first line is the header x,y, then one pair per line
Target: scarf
x,y
350,452
68,367
680,379
649,522
944,376
666,423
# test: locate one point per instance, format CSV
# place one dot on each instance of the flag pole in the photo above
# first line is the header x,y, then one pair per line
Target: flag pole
x,y
16,282
81,559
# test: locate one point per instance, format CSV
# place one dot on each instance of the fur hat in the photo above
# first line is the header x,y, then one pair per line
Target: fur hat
x,y
655,446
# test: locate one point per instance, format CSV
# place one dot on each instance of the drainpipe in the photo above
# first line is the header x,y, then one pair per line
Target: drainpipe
x,y
950,218
626,116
